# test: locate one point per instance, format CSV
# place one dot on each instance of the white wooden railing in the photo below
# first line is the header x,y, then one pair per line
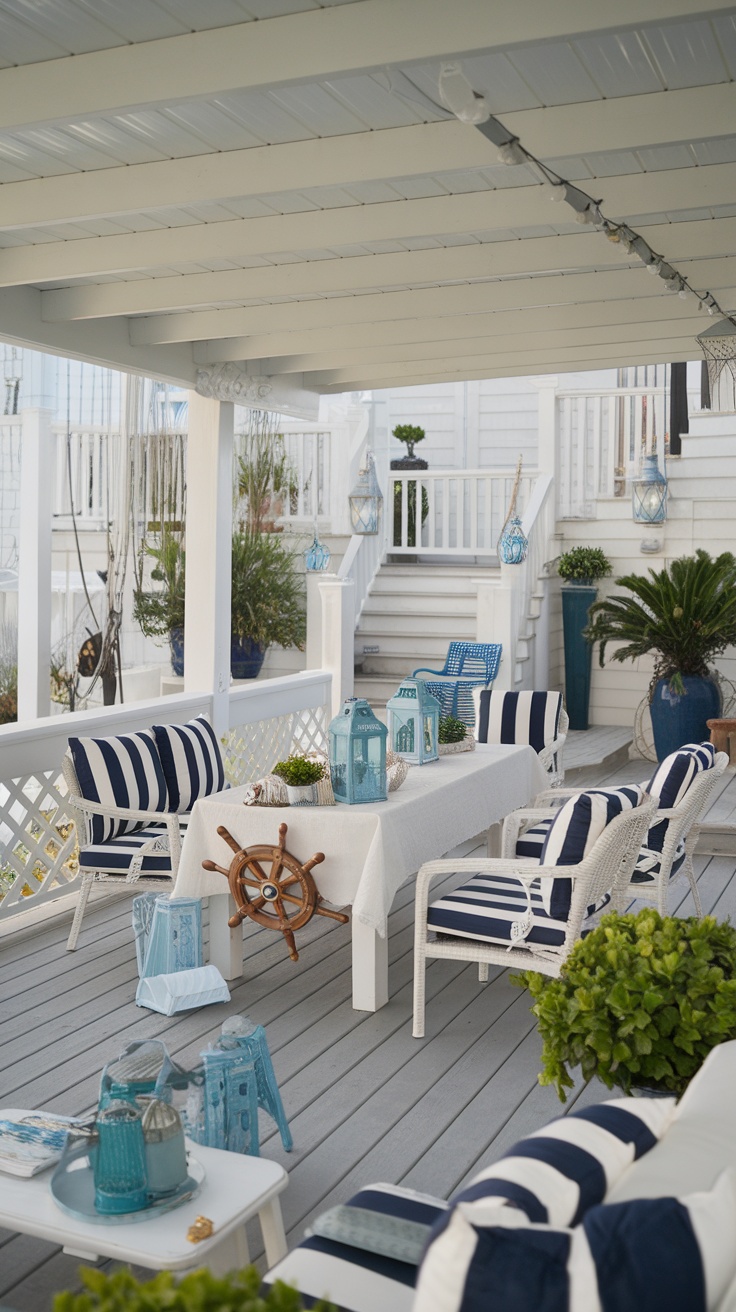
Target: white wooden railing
x,y
361,563
87,462
462,510
37,840
602,435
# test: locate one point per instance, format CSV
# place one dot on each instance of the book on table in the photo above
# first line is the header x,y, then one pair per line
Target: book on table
x,y
33,1141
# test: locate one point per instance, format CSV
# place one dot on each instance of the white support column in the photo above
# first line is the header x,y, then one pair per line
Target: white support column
x,y
34,564
547,423
208,551
495,623
338,635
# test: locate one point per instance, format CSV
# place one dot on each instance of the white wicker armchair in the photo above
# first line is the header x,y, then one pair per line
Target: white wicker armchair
x,y
606,870
166,842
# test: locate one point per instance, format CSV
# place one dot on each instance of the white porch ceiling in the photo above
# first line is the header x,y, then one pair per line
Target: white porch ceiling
x,y
184,182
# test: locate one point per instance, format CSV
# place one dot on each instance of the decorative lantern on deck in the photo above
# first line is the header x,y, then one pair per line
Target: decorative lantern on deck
x,y
366,499
413,722
358,754
649,494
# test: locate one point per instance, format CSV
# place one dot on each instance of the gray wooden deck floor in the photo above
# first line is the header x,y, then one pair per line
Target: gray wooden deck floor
x,y
365,1100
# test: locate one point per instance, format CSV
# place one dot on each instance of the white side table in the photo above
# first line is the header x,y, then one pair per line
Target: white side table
x,y
235,1189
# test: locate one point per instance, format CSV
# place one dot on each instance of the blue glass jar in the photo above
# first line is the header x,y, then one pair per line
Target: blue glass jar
x,y
120,1160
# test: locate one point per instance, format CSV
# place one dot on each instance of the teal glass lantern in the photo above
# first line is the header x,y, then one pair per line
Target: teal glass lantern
x,y
513,543
317,557
413,722
649,494
366,500
120,1160
358,754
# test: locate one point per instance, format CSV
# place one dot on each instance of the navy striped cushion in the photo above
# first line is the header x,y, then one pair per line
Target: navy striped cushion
x,y
649,864
115,856
647,1255
486,907
673,777
119,772
577,825
192,761
530,843
518,717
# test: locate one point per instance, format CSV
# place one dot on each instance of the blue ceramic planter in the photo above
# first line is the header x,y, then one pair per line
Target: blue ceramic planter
x,y
246,658
176,642
576,602
681,718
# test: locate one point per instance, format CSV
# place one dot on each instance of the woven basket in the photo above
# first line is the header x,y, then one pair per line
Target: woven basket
x,y
466,745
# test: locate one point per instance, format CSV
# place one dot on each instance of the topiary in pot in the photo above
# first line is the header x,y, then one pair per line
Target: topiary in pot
x,y
409,434
580,568
583,565
684,616
453,735
301,776
639,1002
200,1291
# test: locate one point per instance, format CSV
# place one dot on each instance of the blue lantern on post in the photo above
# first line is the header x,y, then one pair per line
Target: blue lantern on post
x,y
413,722
513,543
358,754
649,494
366,499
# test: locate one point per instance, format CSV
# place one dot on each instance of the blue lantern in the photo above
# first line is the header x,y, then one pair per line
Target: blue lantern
x,y
513,543
358,754
649,494
317,557
366,499
413,722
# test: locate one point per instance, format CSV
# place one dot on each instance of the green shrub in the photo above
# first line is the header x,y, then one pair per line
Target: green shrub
x,y
451,730
583,565
199,1291
299,771
410,434
641,1000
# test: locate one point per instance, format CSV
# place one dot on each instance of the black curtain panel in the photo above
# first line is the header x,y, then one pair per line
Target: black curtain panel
x,y
704,386
678,406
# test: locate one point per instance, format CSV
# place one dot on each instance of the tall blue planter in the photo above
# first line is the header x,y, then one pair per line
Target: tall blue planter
x,y
176,642
576,602
246,658
681,718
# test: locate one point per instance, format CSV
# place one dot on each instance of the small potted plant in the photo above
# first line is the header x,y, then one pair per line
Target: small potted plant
x,y
580,568
301,776
454,735
639,1003
200,1291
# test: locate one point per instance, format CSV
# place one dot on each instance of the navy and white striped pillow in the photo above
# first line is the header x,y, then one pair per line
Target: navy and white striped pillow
x,y
517,717
673,777
577,825
658,1254
119,772
192,761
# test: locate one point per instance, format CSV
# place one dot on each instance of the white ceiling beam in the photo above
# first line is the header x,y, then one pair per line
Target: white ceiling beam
x,y
545,362
656,118
106,344
656,308
585,249
626,195
299,47
560,289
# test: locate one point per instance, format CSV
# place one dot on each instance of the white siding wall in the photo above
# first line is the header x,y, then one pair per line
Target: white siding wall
x,y
482,424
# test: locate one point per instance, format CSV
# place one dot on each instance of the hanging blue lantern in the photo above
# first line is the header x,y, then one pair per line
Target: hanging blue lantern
x,y
317,557
649,494
413,722
366,500
513,543
358,754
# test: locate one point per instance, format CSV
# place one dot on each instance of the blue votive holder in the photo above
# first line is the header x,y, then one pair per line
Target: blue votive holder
x,y
120,1160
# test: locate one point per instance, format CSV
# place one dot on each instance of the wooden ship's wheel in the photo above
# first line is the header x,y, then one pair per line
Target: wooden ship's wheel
x,y
285,898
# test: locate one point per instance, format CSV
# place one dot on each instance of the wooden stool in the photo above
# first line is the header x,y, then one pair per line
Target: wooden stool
x,y
723,737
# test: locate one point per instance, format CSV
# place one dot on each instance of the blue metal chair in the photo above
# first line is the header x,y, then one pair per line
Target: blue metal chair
x,y
467,665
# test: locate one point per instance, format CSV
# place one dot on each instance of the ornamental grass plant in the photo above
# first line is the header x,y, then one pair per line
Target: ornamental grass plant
x,y
640,1002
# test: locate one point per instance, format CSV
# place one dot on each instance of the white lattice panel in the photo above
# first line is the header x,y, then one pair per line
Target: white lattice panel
x,y
251,750
37,842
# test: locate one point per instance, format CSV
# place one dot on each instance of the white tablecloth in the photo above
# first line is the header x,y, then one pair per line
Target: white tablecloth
x,y
370,850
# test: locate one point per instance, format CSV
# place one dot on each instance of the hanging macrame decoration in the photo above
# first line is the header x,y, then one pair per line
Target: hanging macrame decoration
x,y
718,344
513,544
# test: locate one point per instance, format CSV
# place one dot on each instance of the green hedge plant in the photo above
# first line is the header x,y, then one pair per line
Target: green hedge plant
x,y
451,730
240,1291
299,771
583,565
640,1001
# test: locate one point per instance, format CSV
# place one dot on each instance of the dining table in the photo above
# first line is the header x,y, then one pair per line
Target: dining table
x,y
370,849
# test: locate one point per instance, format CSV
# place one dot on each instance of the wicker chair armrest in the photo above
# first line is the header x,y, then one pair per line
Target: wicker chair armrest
x,y
550,795
550,750
424,669
122,812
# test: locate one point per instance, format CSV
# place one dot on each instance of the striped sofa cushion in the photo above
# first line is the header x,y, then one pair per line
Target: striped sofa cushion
x,y
192,761
115,856
496,909
517,717
354,1277
119,772
575,828
660,1254
501,1244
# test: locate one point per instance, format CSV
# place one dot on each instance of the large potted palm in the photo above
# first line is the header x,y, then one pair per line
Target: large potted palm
x,y
684,616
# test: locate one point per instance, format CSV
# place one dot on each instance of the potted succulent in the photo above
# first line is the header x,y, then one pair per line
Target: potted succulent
x,y
580,569
301,775
639,1003
454,735
200,1291
684,615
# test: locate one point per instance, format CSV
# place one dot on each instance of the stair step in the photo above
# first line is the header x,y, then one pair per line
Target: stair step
x,y
422,623
425,647
423,603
